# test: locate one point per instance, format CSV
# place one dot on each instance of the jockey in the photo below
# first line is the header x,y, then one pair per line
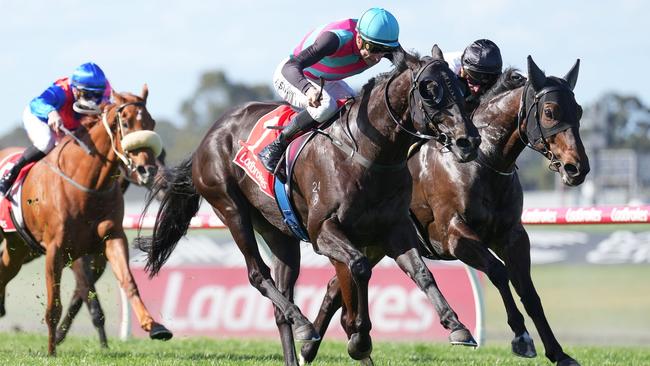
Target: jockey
x,y
478,67
62,104
326,56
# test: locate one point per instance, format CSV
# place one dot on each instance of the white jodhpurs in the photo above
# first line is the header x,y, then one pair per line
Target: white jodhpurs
x,y
332,91
39,132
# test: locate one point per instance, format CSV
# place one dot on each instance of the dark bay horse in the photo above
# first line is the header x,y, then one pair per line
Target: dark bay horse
x,y
72,205
89,268
466,210
347,201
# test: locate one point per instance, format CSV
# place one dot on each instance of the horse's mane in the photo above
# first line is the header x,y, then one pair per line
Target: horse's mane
x,y
510,79
400,59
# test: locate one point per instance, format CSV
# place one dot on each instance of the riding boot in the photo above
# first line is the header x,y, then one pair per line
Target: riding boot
x,y
30,155
272,153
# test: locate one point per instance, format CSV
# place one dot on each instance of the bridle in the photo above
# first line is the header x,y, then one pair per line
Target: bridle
x,y
428,108
128,162
536,133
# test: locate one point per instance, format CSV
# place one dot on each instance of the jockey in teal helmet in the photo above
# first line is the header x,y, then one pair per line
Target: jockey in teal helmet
x,y
61,104
329,54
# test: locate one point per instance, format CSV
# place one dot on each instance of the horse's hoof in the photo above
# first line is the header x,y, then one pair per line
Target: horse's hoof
x,y
462,337
308,352
306,333
568,362
523,346
158,331
367,362
356,346
60,336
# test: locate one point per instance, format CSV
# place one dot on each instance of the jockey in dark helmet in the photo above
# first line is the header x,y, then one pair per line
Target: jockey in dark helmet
x,y
478,66
62,104
330,53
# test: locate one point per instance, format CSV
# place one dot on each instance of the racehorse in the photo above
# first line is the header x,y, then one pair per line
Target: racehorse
x,y
72,205
89,268
347,200
465,210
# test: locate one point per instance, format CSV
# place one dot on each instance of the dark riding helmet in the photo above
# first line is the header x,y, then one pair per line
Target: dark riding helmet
x,y
482,56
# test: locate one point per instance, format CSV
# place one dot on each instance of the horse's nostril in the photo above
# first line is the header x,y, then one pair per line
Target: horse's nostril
x,y
571,170
152,170
463,143
142,170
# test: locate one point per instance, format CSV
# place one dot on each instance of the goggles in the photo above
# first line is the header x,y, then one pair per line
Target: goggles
x,y
478,78
376,47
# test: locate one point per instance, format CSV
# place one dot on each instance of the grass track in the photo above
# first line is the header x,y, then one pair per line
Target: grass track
x,y
29,349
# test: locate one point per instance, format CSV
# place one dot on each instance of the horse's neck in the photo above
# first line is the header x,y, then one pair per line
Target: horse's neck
x,y
378,137
498,124
97,170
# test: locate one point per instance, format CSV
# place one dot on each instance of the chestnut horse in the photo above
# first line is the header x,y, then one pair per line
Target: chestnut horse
x,y
72,205
466,210
347,200
89,268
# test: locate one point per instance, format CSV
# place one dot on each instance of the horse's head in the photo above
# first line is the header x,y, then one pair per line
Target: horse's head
x,y
132,135
552,122
437,107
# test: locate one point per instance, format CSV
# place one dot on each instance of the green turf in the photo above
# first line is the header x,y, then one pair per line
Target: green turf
x,y
585,304
27,349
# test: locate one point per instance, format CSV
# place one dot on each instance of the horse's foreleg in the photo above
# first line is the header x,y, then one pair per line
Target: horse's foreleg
x,y
516,255
333,243
118,256
466,245
53,268
401,247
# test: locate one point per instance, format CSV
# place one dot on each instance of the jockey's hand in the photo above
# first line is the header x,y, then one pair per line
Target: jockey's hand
x,y
55,122
313,97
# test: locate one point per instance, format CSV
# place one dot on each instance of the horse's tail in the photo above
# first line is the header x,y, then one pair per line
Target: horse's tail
x,y
178,205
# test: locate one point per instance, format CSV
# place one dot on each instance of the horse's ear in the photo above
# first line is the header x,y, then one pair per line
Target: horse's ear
x,y
436,53
572,76
145,92
115,96
535,75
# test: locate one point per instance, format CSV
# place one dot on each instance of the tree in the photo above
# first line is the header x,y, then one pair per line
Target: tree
x,y
215,94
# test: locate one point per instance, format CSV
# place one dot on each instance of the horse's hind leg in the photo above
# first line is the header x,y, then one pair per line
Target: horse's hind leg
x,y
87,271
286,267
516,255
14,254
234,213
331,302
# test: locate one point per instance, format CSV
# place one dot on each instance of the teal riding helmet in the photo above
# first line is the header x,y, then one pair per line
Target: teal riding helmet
x,y
89,76
379,26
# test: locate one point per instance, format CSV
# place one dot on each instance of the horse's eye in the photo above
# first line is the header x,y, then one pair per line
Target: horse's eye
x,y
548,113
431,91
125,124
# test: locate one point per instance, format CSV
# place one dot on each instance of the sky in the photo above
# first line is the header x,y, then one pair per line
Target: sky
x,y
168,44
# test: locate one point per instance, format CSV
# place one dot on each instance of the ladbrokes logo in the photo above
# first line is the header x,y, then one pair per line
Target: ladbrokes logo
x,y
220,301
255,173
629,214
584,215
537,216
